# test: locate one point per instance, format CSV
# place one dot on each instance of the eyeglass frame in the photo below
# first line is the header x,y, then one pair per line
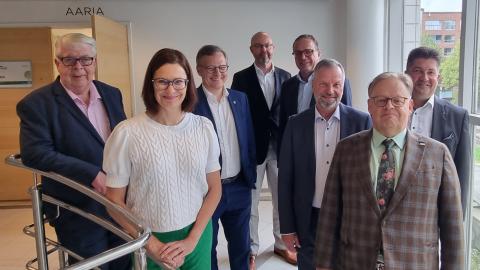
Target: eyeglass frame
x,y
402,101
77,59
306,52
211,69
170,82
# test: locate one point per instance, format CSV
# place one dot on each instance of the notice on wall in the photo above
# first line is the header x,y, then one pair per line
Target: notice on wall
x,y
15,74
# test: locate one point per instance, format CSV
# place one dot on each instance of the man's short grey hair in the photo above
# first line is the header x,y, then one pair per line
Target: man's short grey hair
x,y
329,63
74,38
309,37
403,78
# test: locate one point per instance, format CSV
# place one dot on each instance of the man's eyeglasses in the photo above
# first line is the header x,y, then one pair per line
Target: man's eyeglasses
x,y
163,84
71,61
212,69
382,101
306,52
261,46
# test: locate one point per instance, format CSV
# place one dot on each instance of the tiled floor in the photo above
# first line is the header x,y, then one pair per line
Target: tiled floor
x,y
16,248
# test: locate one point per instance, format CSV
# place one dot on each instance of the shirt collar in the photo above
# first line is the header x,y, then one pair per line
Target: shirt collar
x,y
308,79
335,115
399,139
430,102
94,95
260,72
212,97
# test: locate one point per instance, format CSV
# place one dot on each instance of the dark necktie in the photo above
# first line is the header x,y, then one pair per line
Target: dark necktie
x,y
386,176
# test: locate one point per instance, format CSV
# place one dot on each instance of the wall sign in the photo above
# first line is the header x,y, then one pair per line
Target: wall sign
x,y
15,74
84,11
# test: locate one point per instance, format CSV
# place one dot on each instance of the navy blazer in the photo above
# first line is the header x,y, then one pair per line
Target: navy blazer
x,y
296,175
243,123
56,136
289,102
450,125
265,120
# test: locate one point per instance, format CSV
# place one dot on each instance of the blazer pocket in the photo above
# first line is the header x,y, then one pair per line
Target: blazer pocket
x,y
450,142
429,179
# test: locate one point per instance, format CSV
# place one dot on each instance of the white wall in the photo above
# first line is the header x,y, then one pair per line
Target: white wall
x,y
188,25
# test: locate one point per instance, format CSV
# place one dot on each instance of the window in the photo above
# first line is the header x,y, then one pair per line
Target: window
x,y
437,38
449,39
449,25
433,25
447,51
463,90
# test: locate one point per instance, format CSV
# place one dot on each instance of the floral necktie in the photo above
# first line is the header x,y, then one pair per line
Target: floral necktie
x,y
386,175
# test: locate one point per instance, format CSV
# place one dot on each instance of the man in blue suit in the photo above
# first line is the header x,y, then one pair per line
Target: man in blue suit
x,y
230,114
63,129
437,118
306,154
297,95
262,82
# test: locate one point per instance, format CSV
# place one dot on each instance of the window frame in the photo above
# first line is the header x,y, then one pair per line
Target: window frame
x,y
467,99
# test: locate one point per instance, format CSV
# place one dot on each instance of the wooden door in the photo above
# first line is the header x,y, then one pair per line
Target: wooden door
x,y
20,44
113,61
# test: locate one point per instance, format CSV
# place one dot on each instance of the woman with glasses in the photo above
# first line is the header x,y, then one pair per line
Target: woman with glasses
x,y
168,159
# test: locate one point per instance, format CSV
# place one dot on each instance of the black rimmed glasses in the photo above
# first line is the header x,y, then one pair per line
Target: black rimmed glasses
x,y
71,61
382,101
213,69
162,84
306,52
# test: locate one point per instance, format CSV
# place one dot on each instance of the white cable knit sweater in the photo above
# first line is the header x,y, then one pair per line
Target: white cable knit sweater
x,y
164,167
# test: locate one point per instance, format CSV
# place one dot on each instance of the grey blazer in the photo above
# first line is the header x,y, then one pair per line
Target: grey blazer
x,y
450,126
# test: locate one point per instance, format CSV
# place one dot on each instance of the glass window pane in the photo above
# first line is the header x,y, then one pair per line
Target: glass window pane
x,y
442,31
475,234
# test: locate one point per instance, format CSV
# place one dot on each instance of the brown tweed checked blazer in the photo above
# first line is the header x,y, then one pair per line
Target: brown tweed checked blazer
x,y
425,207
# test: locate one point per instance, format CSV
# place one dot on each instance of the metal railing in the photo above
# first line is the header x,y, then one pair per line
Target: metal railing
x,y
37,229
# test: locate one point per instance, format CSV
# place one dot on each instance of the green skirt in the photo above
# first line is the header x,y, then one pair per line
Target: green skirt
x,y
201,256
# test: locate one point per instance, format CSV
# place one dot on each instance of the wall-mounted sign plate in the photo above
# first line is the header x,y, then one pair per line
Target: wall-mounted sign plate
x,y
15,74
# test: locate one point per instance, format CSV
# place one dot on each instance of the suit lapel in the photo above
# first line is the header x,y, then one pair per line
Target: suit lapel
x,y
438,118
343,122
364,174
294,95
309,139
257,89
278,86
235,111
413,156
66,101
107,104
203,108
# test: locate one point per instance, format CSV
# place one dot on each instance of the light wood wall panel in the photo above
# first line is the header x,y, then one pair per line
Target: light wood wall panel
x,y
113,61
34,44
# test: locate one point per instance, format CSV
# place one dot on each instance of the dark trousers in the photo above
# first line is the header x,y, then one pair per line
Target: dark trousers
x,y
234,213
88,239
305,253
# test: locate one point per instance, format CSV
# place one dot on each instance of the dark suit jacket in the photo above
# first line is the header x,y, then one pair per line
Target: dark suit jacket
x,y
56,136
450,126
425,207
265,121
296,176
243,124
289,101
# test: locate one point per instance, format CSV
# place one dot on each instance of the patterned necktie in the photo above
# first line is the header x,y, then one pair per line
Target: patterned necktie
x,y
386,176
